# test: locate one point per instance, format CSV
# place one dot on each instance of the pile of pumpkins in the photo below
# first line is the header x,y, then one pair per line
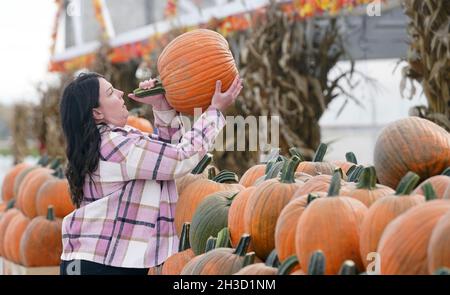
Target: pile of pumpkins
x,y
290,216
35,199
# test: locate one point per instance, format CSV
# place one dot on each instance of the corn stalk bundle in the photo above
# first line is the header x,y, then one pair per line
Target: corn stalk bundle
x,y
429,57
285,65
21,126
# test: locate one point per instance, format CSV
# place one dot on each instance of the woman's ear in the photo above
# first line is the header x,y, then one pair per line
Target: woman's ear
x,y
97,114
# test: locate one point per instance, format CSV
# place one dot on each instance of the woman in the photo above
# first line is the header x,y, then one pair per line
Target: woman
x,y
122,180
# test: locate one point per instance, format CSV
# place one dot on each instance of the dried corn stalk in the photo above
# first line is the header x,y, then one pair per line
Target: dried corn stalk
x,y
21,132
285,66
429,56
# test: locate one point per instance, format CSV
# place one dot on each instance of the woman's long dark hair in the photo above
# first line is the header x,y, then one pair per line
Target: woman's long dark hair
x,y
80,130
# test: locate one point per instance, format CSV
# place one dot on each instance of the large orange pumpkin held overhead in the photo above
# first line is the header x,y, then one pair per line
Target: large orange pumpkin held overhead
x,y
189,67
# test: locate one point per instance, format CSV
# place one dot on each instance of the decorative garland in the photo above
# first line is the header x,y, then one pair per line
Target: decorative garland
x,y
298,9
171,9
308,8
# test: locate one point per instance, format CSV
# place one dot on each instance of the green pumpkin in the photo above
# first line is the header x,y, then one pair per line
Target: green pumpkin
x,y
210,217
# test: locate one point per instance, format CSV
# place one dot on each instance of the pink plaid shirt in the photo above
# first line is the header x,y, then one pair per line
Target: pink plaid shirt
x,y
127,216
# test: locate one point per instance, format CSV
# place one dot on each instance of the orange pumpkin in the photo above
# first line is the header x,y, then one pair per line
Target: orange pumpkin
x,y
319,183
200,171
269,270
41,243
191,64
236,222
287,223
261,218
317,166
346,165
175,263
43,162
411,144
56,192
367,190
26,198
193,194
4,222
219,261
439,247
155,271
404,243
386,209
439,183
8,181
13,235
331,224
142,124
251,175
447,193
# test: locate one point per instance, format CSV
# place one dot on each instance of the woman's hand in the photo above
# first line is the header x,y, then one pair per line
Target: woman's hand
x,y
158,102
222,101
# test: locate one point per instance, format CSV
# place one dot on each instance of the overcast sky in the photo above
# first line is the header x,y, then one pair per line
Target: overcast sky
x,y
25,34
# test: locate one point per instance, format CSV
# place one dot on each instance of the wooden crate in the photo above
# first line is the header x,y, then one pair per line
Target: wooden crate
x,y
10,268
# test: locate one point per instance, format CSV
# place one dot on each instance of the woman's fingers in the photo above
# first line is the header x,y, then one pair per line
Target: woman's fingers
x,y
235,84
147,84
237,91
218,87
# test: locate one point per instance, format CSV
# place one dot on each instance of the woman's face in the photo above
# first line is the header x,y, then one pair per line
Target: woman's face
x,y
112,109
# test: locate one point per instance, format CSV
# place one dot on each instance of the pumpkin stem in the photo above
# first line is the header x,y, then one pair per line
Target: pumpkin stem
x,y
367,179
407,184
350,157
335,185
211,173
355,174
10,204
44,160
348,268
317,263
286,267
320,153
442,271
430,193
351,169
226,176
242,246
210,244
137,112
184,238
310,198
288,175
55,163
50,213
272,260
249,258
201,166
446,172
274,170
273,155
223,238
59,173
295,152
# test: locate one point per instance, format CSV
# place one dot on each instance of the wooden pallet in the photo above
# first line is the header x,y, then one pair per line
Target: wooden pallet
x,y
10,268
